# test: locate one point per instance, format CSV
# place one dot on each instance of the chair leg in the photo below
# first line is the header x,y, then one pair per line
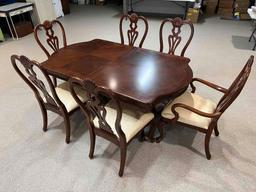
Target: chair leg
x,y
216,131
44,114
123,151
67,126
92,145
54,80
193,88
206,145
45,120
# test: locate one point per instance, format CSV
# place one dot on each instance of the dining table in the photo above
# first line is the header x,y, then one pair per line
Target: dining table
x,y
140,77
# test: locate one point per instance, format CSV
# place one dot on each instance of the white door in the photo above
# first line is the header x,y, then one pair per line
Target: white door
x,y
58,8
43,10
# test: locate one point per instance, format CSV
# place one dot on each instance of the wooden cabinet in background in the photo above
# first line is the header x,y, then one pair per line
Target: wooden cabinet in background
x,y
65,6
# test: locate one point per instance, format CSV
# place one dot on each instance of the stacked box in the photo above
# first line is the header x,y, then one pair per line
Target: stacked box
x,y
226,8
100,2
226,4
193,15
241,7
211,6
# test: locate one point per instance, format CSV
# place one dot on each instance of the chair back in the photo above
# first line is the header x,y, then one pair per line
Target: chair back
x,y
236,87
95,106
133,32
174,39
26,70
51,39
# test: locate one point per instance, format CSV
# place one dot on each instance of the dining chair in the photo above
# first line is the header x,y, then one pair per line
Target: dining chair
x,y
133,32
51,38
200,113
56,99
106,118
174,38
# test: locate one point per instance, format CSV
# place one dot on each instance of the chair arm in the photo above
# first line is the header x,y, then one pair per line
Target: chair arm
x,y
209,84
187,107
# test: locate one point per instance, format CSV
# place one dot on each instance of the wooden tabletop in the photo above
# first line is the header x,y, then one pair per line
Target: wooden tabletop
x,y
136,74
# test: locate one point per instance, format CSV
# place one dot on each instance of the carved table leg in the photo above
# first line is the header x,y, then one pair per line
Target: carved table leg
x,y
156,125
152,130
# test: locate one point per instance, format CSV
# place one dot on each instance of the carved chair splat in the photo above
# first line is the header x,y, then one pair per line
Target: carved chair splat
x,y
174,39
132,32
52,39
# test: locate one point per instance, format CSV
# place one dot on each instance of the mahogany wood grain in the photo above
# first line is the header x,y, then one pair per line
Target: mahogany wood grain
x,y
137,75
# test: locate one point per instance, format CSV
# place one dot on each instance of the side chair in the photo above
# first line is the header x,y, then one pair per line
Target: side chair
x,y
56,99
174,38
194,111
52,40
106,118
132,32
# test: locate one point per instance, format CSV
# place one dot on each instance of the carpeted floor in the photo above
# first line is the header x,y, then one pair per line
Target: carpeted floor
x,y
31,160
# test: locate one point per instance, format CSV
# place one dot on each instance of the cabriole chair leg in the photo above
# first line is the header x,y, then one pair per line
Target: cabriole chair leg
x,y
123,158
216,131
92,145
45,120
206,145
67,126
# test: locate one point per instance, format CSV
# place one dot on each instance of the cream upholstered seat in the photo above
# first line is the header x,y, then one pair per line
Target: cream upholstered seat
x,y
188,117
66,98
131,123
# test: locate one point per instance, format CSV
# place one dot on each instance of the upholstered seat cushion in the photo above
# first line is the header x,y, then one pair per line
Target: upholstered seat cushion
x,y
66,98
131,122
188,117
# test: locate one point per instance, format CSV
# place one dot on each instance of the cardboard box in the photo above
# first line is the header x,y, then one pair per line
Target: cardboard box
x,y
210,10
242,6
225,12
193,15
241,10
245,16
226,4
210,7
100,2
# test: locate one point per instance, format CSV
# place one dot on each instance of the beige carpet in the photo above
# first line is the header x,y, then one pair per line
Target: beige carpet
x,y
33,161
